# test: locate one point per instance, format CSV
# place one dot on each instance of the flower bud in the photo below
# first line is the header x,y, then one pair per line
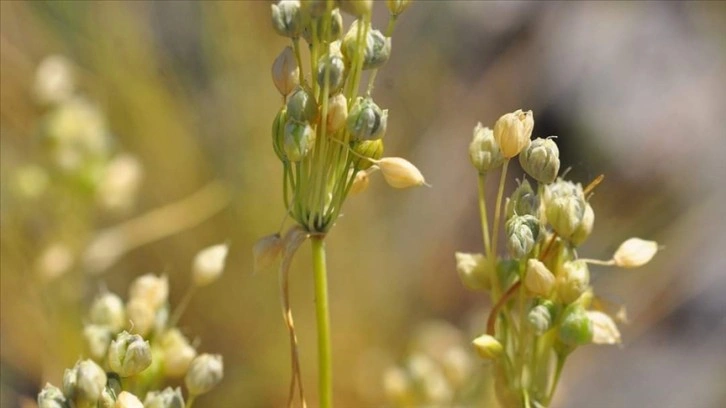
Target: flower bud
x,y
360,183
538,279
84,383
523,201
366,121
576,328
299,140
541,160
583,230
108,310
400,173
512,131
205,372
488,347
107,399
573,280
335,67
522,233
604,329
141,315
484,151
285,72
278,133
396,384
333,32
357,8
152,289
635,252
128,400
377,47
564,207
208,264
287,18
396,7
474,270
97,340
169,398
540,318
51,397
337,113
54,80
302,106
371,149
177,352
120,184
129,354
266,252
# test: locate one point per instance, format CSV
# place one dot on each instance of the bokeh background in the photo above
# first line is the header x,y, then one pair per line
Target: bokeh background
x,y
634,90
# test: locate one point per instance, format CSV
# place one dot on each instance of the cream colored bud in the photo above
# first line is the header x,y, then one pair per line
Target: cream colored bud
x,y
635,252
118,189
484,151
512,131
605,331
205,372
152,289
208,264
285,72
538,279
141,315
129,354
168,398
84,383
128,400
400,173
473,270
396,7
337,113
396,384
54,261
97,339
54,80
51,397
488,347
564,206
360,183
177,352
266,252
573,280
584,229
108,310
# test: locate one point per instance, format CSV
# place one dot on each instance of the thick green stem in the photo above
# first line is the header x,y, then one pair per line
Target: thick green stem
x,y
325,360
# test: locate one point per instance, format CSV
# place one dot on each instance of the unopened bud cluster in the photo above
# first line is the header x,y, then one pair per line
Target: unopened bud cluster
x,y
541,289
135,343
325,134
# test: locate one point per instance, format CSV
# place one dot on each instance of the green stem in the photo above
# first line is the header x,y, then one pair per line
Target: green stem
x,y
498,208
325,360
190,401
558,371
484,216
183,303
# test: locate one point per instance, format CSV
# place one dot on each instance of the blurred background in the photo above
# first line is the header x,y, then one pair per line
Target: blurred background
x,y
177,99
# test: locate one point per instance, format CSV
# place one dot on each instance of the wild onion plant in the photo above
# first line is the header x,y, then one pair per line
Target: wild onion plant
x,y
135,349
328,138
543,304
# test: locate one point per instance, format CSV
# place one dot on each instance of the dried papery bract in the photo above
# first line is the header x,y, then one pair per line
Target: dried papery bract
x,y
266,252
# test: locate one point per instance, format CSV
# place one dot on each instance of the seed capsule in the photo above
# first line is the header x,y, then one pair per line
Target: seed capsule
x,y
285,72
302,106
366,121
371,149
287,18
541,160
377,47
335,66
512,131
576,328
299,140
538,279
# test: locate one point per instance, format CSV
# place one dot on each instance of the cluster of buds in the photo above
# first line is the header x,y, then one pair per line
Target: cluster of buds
x,y
134,346
557,310
328,138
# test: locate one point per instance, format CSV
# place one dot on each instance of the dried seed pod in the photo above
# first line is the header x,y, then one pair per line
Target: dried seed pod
x,y
266,252
285,72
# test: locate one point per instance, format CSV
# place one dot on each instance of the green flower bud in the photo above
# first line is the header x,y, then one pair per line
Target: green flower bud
x,y
278,133
377,47
337,113
576,328
396,7
299,140
523,201
97,340
108,310
372,149
51,397
168,398
538,279
205,372
540,318
484,151
584,229
541,160
129,354
285,72
287,18
177,352
84,383
356,8
573,280
522,233
564,206
474,270
488,347
334,30
366,121
128,400
302,106
512,131
335,66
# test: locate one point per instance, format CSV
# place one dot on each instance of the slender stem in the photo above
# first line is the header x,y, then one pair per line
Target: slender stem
x,y
325,360
183,303
389,31
558,371
483,213
498,208
495,310
296,48
190,401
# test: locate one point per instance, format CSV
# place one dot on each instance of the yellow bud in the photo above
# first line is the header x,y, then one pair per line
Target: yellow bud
x,y
360,183
151,289
604,330
539,280
400,173
635,252
285,72
128,400
337,113
177,353
266,252
488,347
512,131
